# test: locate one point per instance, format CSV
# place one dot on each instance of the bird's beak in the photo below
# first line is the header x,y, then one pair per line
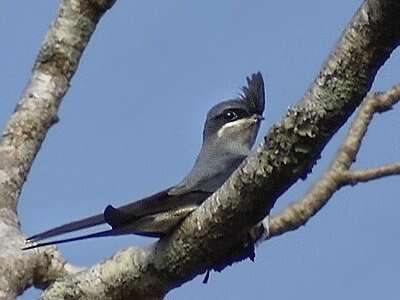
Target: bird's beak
x,y
259,118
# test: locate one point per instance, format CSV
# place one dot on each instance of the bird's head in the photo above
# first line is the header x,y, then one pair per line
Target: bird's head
x,y
232,125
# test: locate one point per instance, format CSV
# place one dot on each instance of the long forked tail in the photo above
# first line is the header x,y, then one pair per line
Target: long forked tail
x,y
73,226
110,232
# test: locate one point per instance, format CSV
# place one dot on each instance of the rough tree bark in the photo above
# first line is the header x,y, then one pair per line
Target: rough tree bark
x,y
219,227
36,111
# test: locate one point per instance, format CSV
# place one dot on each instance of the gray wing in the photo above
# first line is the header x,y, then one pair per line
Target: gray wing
x,y
152,216
156,215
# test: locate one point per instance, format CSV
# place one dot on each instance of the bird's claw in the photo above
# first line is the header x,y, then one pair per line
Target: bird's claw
x,y
261,231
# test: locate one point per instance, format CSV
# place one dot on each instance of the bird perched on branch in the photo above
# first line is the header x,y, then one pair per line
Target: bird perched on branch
x,y
229,133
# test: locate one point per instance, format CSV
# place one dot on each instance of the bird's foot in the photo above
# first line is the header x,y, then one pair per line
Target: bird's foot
x,y
261,231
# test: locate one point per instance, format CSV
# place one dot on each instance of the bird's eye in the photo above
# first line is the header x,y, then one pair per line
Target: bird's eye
x,y
231,115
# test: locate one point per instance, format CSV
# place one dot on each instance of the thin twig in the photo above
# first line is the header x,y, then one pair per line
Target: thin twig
x,y
365,175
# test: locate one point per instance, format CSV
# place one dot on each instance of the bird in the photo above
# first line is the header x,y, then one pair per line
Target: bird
x,y
229,133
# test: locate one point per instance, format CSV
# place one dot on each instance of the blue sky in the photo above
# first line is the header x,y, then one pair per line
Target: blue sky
x,y
131,125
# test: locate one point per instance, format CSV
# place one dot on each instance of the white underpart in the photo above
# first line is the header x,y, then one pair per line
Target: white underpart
x,y
235,126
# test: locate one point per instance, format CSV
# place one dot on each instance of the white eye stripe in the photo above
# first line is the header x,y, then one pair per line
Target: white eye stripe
x,y
235,124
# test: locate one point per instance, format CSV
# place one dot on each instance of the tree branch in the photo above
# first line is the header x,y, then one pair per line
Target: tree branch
x,y
366,175
339,173
291,148
24,133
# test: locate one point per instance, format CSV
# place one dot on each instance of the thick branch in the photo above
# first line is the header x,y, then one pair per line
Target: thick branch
x,y
291,148
24,133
